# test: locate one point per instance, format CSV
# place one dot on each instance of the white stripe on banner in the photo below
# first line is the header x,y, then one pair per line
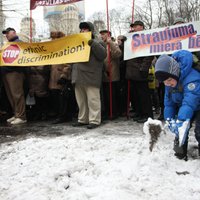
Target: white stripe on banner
x,y
163,40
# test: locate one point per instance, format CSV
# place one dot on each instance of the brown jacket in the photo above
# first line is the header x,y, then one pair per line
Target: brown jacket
x,y
38,81
66,72
115,54
137,69
56,71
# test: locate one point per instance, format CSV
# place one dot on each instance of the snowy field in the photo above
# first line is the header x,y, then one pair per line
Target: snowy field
x,y
112,162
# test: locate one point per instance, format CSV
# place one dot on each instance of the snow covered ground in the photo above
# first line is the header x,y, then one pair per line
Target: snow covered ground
x,y
112,162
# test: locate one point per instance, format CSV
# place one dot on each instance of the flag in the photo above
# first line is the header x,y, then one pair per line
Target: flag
x,y
35,3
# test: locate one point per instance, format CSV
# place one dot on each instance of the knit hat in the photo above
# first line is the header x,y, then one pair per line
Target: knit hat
x,y
179,20
166,67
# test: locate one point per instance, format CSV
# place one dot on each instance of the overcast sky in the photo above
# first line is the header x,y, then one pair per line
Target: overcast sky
x,y
22,9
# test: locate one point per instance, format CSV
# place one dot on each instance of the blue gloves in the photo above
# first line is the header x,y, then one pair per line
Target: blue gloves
x,y
179,128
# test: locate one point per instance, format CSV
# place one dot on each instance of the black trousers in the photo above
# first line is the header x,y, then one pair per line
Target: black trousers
x,y
54,103
4,102
67,102
197,126
183,149
115,99
123,95
161,95
141,98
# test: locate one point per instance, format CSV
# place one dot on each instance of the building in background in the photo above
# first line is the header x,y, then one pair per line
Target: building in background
x,y
2,27
65,18
2,23
99,25
24,33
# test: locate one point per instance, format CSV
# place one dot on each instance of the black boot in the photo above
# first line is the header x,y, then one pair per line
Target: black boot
x,y
161,117
59,121
180,151
199,149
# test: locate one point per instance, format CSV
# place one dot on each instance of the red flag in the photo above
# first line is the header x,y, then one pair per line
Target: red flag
x,y
35,3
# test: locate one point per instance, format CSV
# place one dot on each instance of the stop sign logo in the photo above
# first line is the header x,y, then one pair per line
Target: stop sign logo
x,y
11,53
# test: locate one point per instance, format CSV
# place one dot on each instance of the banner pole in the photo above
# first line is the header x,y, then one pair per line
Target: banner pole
x,y
109,61
31,32
129,82
133,7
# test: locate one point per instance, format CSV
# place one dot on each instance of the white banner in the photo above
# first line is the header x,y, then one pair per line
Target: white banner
x,y
163,40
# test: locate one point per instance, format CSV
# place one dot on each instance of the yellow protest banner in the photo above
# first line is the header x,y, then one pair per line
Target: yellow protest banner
x,y
69,49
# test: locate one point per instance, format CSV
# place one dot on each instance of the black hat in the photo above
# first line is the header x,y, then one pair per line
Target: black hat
x,y
137,23
105,31
8,30
87,25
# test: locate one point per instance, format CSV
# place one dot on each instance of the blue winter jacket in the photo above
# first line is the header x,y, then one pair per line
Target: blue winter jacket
x,y
184,99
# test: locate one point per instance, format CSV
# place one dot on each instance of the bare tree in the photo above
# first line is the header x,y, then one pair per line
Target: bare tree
x,y
154,13
187,9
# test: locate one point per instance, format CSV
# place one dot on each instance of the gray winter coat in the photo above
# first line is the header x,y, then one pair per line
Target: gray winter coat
x,y
90,73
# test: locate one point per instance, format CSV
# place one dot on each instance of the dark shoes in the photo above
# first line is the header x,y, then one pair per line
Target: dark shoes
x,y
161,117
180,151
142,120
136,117
92,126
181,156
78,124
59,121
89,126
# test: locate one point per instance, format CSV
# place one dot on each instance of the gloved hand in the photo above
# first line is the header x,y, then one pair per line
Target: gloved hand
x,y
124,38
62,81
171,124
90,42
183,130
179,128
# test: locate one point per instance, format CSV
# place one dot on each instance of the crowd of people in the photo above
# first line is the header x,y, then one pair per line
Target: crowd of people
x,y
90,91
106,87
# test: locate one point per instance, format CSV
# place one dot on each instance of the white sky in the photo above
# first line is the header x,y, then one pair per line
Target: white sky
x,y
91,6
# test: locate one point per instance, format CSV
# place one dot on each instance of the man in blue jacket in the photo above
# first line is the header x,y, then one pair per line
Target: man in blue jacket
x,y
182,97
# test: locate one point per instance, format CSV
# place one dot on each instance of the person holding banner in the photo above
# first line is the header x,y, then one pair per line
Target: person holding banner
x,y
111,73
54,87
87,78
137,71
123,82
182,97
13,79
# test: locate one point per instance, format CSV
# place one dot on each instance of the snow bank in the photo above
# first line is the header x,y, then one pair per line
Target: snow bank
x,y
112,162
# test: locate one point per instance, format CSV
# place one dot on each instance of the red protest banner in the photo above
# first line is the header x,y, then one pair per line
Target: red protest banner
x,y
35,3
